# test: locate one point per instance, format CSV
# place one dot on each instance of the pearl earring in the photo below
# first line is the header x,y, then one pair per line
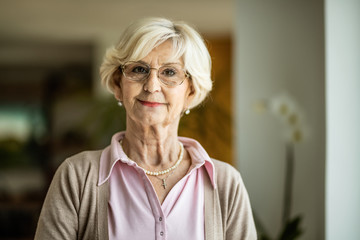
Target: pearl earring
x,y
120,103
187,111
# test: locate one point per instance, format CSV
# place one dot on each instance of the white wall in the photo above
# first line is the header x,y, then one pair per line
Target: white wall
x,y
343,119
280,46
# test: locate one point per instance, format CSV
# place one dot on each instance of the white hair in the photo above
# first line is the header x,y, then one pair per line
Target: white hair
x,y
141,37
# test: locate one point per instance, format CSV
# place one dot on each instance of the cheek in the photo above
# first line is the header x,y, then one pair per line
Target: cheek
x,y
178,101
129,93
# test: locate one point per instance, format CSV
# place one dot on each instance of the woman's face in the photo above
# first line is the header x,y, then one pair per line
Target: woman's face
x,y
150,102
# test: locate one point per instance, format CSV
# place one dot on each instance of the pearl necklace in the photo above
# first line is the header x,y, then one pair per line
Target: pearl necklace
x,y
157,173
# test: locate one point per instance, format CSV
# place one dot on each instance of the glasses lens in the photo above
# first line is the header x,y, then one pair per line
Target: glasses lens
x,y
171,75
136,71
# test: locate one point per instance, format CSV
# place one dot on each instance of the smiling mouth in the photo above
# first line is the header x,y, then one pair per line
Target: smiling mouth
x,y
150,104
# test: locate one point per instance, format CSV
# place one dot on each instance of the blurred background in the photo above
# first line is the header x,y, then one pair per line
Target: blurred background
x,y
284,111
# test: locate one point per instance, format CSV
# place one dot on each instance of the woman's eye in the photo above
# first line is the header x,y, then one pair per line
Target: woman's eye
x,y
140,69
169,72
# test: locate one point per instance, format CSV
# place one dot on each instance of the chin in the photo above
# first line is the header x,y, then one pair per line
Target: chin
x,y
146,119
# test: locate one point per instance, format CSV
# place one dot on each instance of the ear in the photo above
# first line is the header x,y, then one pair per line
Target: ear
x,y
117,85
190,94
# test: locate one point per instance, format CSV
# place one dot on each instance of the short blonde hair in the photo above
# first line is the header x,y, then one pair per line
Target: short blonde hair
x,y
141,37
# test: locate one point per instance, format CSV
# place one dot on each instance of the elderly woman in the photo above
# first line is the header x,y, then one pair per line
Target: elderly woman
x,y
150,183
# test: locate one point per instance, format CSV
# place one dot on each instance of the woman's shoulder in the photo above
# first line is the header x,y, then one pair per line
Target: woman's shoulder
x,y
85,158
226,174
80,165
222,168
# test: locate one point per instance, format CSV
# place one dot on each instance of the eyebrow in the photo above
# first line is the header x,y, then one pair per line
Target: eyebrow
x,y
169,63
164,64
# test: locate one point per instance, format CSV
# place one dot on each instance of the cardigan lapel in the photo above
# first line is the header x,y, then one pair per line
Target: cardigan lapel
x,y
102,211
213,223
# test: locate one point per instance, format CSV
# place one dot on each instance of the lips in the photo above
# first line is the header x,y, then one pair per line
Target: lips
x,y
150,104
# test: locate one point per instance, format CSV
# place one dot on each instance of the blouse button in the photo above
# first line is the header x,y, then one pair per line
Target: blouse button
x,y
160,219
161,233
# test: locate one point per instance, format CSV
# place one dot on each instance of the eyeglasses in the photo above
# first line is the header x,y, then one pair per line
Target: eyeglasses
x,y
169,74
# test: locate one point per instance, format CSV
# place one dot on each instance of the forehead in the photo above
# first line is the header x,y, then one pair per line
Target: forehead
x,y
164,53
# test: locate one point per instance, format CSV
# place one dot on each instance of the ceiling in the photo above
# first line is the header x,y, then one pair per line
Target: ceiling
x,y
94,20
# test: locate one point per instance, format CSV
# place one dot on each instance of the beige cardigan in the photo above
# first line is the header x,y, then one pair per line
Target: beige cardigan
x,y
76,207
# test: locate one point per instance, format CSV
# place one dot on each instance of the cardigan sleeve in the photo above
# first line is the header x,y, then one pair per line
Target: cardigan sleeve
x,y
240,222
237,218
59,218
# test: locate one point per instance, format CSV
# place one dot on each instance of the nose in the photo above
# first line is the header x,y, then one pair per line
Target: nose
x,y
152,83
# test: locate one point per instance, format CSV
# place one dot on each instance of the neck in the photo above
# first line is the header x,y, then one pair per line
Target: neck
x,y
152,147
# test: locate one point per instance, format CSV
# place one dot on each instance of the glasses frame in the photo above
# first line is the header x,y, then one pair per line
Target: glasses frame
x,y
122,68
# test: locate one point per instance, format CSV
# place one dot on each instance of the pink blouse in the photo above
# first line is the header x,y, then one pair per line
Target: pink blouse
x,y
134,211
